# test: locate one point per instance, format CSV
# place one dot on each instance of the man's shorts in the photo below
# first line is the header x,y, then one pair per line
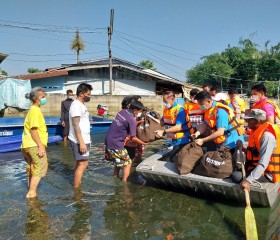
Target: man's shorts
x,y
36,166
119,157
76,151
66,128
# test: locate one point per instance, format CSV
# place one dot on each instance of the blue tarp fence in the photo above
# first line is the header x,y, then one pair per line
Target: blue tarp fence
x,y
12,93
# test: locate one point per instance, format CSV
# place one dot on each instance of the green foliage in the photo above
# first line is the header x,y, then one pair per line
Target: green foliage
x,y
2,72
214,69
243,64
77,45
147,65
33,70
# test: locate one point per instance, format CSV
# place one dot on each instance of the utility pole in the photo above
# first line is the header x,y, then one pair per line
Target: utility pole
x,y
241,91
110,33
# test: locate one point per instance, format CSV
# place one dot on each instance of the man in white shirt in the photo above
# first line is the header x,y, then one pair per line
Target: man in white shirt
x,y
79,133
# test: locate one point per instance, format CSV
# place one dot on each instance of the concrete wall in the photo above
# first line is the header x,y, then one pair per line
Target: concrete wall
x,y
52,108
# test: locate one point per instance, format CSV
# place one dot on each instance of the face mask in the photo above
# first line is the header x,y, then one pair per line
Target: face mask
x,y
71,97
167,105
193,100
202,107
43,101
139,114
86,98
255,98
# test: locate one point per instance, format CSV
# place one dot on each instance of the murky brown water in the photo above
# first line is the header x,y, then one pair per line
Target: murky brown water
x,y
107,209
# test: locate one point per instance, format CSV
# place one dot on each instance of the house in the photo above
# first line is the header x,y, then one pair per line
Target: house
x,y
128,78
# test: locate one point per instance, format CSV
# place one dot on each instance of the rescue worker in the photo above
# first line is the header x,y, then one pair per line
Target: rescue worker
x,y
262,102
206,87
222,98
192,109
226,131
174,121
238,104
263,151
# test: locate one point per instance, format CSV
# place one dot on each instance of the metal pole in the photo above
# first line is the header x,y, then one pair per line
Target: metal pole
x,y
110,33
241,91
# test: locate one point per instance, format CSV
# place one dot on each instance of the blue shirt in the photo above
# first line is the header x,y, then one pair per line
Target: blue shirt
x,y
222,122
181,120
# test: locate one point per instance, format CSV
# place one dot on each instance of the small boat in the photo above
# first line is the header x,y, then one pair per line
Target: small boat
x,y
157,171
11,131
13,143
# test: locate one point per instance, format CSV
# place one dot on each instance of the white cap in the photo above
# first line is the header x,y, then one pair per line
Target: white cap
x,y
220,96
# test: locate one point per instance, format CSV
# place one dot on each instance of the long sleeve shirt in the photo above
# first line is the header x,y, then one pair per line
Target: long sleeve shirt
x,y
268,144
65,106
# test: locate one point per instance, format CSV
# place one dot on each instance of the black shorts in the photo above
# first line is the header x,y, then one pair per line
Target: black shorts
x,y
76,151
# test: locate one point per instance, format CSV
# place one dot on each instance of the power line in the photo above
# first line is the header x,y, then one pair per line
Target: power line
x,y
50,60
41,29
163,64
177,49
51,55
159,50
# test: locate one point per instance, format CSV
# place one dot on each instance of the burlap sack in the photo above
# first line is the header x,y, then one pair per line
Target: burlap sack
x,y
216,164
146,130
187,158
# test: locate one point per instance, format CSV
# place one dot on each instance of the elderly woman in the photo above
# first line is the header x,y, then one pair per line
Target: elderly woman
x,y
34,141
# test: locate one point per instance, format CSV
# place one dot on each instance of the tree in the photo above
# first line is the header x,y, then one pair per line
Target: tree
x,y
2,72
214,70
147,65
77,45
33,70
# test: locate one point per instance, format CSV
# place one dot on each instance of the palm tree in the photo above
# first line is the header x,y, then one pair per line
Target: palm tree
x,y
77,45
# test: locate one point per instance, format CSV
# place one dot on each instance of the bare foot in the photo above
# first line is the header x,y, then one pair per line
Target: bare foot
x,y
31,195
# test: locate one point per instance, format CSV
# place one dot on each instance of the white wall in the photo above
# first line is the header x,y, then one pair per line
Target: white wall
x,y
121,87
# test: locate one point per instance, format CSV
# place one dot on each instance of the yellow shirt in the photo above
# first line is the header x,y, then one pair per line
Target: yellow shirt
x,y
34,118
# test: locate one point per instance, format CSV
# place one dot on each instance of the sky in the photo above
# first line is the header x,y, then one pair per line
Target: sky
x,y
175,35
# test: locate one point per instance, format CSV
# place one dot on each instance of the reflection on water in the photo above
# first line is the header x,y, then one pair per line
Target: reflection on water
x,y
81,227
106,208
37,221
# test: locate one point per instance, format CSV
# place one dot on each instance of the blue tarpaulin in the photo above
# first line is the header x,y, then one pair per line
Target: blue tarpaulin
x,y
12,93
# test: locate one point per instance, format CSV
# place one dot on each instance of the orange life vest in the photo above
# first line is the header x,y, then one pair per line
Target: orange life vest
x,y
253,150
260,104
195,113
169,118
210,117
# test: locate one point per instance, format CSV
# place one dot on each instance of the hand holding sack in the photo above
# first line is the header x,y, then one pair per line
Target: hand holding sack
x,y
146,130
187,158
216,164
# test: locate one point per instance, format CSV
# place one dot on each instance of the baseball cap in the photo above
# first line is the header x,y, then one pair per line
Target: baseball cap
x,y
257,114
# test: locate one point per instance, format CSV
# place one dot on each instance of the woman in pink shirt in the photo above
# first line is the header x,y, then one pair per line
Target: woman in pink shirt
x,y
262,102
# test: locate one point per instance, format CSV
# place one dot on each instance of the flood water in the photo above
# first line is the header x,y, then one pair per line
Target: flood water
x,y
108,209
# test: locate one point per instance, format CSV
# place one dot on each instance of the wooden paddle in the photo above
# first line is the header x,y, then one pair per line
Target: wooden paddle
x,y
250,222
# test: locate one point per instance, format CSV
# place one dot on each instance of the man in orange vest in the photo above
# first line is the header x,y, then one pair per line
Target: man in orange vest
x,y
175,122
263,151
262,102
192,109
226,131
